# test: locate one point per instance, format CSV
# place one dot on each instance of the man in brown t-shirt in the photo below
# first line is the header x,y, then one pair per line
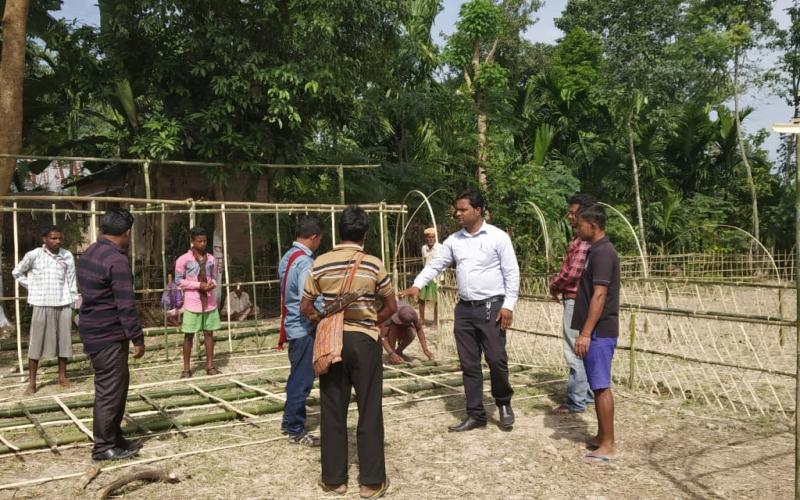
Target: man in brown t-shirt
x,y
361,366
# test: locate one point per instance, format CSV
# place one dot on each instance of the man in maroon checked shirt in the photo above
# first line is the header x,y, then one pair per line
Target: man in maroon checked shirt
x,y
564,288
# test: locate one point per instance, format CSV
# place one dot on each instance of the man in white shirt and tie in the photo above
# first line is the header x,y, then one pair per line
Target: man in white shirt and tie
x,y
487,275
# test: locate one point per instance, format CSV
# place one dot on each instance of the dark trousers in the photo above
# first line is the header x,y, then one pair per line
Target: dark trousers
x,y
298,385
477,331
361,368
111,379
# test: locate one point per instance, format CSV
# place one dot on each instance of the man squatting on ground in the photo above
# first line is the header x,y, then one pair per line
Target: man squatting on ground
x,y
564,288
48,272
297,329
196,275
360,368
597,318
487,275
109,320
430,292
398,332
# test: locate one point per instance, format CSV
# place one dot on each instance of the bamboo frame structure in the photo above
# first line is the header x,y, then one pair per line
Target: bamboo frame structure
x,y
163,207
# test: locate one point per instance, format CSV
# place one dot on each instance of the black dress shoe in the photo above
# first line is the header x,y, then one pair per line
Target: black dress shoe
x,y
506,416
114,454
467,424
132,444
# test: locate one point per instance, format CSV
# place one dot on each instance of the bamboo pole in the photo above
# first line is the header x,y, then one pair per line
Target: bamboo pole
x,y
226,405
164,272
340,172
252,265
382,234
632,353
333,227
227,276
132,253
18,320
185,163
39,428
92,220
75,419
278,237
163,412
53,206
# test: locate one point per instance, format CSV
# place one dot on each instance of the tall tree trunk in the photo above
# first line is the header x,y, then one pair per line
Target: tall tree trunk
x,y
12,73
635,164
483,150
739,140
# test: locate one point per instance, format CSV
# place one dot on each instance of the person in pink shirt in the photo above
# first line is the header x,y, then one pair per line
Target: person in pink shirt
x,y
196,275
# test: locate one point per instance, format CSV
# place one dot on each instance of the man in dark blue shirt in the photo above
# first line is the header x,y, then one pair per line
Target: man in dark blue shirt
x,y
108,321
597,318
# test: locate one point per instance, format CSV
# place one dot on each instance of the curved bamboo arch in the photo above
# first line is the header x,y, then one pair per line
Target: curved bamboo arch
x,y
545,232
747,233
399,238
645,269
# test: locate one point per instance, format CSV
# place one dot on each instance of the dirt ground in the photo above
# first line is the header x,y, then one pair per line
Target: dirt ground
x,y
668,448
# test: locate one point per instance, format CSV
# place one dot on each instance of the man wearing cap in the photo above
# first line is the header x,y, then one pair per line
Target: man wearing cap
x,y
399,331
429,292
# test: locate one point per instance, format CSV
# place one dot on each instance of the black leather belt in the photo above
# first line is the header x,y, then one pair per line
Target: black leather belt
x,y
482,302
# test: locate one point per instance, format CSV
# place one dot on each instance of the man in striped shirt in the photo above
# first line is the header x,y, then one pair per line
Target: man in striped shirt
x,y
564,288
48,272
109,320
361,367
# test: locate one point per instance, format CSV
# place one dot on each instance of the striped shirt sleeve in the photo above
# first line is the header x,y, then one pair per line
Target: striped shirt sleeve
x,y
383,285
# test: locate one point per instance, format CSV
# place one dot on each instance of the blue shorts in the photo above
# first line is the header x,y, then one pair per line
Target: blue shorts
x,y
597,361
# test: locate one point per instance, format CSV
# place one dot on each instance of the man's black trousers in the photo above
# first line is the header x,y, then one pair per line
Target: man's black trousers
x,y
362,369
111,378
476,332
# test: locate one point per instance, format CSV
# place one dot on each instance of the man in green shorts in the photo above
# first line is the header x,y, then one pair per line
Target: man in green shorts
x,y
196,275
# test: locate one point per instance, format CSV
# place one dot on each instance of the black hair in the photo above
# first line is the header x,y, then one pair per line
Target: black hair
x,y
353,224
198,231
582,199
116,221
50,229
474,198
595,214
307,226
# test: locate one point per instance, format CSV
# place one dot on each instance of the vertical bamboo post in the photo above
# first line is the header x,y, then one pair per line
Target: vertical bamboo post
x,y
781,333
192,214
340,171
278,235
227,275
93,220
632,352
16,291
333,226
146,173
403,254
382,233
797,319
387,243
164,272
252,270
53,206
133,251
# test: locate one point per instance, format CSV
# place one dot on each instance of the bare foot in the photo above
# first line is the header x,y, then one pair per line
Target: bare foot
x,y
30,390
604,454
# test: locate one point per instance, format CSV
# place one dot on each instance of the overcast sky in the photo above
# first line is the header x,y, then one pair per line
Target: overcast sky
x,y
767,108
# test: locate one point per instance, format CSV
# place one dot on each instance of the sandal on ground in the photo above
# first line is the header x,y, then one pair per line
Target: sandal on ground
x,y
330,488
380,491
306,439
212,371
186,374
594,458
